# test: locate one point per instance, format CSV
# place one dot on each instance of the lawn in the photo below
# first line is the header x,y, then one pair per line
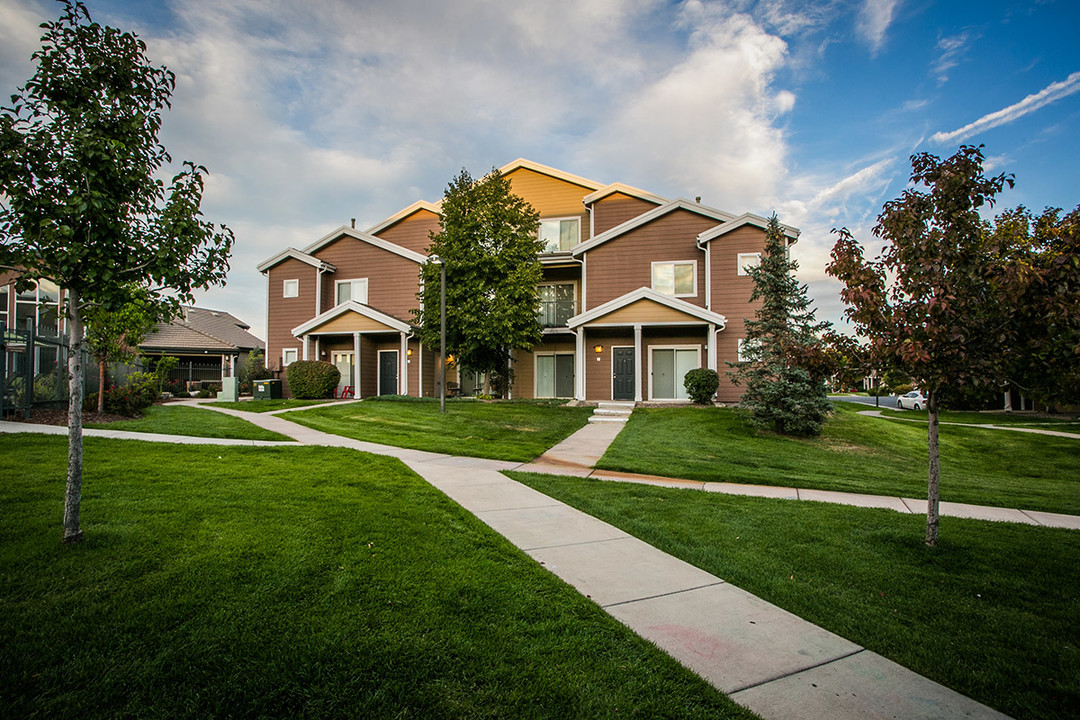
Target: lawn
x,y
1065,423
990,612
293,582
854,454
505,430
261,406
187,420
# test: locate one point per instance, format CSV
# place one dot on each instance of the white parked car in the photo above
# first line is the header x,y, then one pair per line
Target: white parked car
x,y
914,400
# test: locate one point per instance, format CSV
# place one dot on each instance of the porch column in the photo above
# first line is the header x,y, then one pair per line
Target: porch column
x,y
356,365
403,363
579,364
307,352
710,347
638,362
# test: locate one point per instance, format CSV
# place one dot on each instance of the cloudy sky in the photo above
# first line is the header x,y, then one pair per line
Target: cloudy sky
x,y
311,112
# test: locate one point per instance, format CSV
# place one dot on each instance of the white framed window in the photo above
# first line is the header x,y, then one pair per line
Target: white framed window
x,y
558,303
289,356
560,234
290,288
675,278
667,369
747,260
744,347
346,290
554,375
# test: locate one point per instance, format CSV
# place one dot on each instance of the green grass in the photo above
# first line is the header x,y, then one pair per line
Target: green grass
x,y
1064,423
990,612
511,430
854,454
261,406
293,582
186,420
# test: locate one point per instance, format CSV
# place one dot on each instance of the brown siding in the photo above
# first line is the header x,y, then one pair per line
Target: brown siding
x,y
550,196
412,232
392,279
598,366
287,313
731,298
624,264
616,209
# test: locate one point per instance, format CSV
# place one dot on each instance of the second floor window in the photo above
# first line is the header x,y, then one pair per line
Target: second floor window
x,y
560,234
557,304
40,303
675,278
290,288
351,290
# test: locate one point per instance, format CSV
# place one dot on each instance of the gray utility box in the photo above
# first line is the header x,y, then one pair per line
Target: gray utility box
x,y
230,390
267,390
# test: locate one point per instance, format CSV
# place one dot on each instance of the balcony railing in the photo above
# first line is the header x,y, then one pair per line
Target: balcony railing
x,y
555,313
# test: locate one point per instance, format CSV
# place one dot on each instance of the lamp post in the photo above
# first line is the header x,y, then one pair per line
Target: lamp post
x,y
442,329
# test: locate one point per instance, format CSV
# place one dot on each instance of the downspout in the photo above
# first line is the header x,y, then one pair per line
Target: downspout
x,y
708,273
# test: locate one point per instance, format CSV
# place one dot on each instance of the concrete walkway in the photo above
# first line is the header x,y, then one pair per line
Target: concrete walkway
x,y
981,426
765,658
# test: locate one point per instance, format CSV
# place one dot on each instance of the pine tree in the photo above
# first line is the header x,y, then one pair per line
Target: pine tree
x,y
785,391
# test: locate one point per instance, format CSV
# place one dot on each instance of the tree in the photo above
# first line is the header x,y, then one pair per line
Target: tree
x,y
926,304
782,359
489,243
114,335
81,204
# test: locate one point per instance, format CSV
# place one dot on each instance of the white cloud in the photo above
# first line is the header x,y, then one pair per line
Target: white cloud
x,y
19,33
874,20
952,50
1033,102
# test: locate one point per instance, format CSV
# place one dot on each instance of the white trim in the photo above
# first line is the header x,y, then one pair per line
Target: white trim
x,y
536,370
404,213
734,223
378,371
710,348
708,277
560,220
618,187
356,366
652,348
288,283
284,356
391,322
352,290
638,367
644,293
343,231
741,264
550,172
611,363
579,351
295,254
646,217
307,348
673,263
403,366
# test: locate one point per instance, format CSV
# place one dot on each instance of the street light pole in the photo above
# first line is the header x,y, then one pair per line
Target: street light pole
x,y
442,329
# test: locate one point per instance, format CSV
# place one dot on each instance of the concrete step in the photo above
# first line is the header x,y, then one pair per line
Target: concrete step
x,y
616,404
613,411
608,418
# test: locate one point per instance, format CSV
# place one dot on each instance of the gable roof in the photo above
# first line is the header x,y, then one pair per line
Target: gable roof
x,y
367,238
347,307
202,329
746,219
295,255
617,187
404,213
645,293
647,217
522,163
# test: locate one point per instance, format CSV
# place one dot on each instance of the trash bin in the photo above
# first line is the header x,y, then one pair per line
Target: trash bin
x,y
267,390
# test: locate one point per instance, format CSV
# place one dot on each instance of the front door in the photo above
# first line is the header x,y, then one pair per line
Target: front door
x,y
343,361
388,372
622,386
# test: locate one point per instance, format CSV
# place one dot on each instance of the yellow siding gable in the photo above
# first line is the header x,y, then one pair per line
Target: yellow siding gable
x,y
645,311
550,196
351,322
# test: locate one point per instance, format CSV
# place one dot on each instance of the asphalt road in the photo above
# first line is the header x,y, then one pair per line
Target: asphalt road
x,y
886,401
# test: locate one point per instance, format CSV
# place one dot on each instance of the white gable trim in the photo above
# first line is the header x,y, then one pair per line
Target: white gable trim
x,y
625,190
406,212
296,255
551,172
368,238
644,293
790,232
679,204
351,306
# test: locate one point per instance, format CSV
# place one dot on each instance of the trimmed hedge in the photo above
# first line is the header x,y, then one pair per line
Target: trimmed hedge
x,y
701,385
312,379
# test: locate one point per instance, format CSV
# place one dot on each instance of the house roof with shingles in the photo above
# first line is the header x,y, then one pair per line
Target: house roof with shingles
x,y
202,329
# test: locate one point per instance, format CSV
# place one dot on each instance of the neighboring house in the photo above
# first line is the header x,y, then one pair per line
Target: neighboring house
x,y
637,290
210,344
37,307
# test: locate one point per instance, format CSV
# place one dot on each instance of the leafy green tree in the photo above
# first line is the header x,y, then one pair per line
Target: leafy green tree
x,y
926,304
782,365
82,205
489,244
113,335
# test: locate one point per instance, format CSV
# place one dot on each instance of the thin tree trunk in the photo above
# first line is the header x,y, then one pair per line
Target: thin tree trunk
x,y
73,491
933,490
101,387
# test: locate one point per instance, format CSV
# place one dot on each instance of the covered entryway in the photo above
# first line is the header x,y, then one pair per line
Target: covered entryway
x,y
388,372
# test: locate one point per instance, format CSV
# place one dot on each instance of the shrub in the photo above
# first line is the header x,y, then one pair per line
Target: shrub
x,y
701,385
902,389
254,369
312,379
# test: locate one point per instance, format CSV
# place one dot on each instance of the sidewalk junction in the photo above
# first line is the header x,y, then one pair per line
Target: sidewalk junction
x,y
765,658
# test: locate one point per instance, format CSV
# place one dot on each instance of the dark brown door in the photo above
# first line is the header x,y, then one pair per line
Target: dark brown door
x,y
625,367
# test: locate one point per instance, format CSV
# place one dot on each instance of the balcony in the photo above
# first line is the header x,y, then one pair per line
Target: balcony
x,y
555,313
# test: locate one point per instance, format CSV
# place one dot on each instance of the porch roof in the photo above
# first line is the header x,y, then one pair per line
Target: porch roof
x,y
351,317
645,306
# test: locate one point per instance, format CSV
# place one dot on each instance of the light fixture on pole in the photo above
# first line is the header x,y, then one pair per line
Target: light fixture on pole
x,y
442,329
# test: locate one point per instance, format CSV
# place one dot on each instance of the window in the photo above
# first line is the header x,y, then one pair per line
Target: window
x,y
675,278
560,234
289,356
346,290
291,288
557,304
41,304
746,260
555,375
4,306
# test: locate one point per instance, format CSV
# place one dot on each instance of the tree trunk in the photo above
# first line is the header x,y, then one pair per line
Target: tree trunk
x,y
933,490
101,387
73,491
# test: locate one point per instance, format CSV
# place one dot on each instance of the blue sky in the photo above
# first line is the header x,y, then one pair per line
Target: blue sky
x,y
308,113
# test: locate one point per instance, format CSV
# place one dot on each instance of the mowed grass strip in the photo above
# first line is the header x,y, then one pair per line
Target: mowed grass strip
x,y
503,430
261,406
990,612
855,453
193,421
1064,423
293,582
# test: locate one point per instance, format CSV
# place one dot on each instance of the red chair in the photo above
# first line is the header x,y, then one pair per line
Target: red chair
x,y
346,392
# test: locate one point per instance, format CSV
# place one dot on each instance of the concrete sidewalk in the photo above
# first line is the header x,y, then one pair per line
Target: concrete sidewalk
x,y
765,658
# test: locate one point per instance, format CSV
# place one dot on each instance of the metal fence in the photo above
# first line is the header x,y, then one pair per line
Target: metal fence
x,y
33,370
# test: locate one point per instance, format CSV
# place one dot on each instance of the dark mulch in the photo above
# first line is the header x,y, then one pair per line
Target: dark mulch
x,y
56,416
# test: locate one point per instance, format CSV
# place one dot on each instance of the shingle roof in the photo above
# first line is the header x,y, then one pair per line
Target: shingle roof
x,y
203,329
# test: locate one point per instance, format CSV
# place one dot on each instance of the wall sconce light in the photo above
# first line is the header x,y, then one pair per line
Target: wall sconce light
x,y
449,359
408,353
598,348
